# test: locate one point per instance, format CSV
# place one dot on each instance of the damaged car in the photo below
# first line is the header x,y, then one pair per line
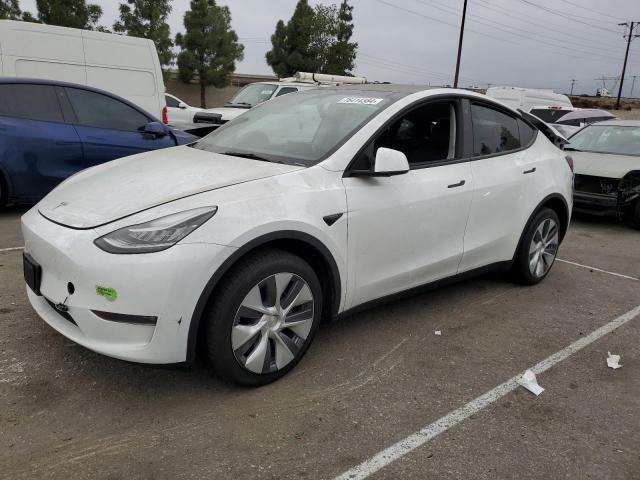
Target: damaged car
x,y
607,169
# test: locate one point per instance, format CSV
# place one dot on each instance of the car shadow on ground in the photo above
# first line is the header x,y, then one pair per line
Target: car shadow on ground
x,y
90,371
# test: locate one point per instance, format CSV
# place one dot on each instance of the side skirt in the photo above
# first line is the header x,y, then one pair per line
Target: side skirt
x,y
494,267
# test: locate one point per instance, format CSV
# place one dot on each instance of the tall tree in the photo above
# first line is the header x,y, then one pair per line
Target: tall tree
x,y
291,52
10,10
148,19
209,46
69,13
314,40
342,54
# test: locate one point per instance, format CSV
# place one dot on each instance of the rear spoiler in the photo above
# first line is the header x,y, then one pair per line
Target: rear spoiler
x,y
551,133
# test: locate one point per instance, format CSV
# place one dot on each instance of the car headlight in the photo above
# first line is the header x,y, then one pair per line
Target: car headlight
x,y
156,235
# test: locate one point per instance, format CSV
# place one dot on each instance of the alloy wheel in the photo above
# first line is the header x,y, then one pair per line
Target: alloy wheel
x,y
543,248
272,323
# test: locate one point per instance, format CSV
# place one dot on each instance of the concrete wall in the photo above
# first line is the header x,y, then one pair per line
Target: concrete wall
x,y
215,97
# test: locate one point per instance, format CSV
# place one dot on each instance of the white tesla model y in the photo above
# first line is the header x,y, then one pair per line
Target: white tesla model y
x,y
303,209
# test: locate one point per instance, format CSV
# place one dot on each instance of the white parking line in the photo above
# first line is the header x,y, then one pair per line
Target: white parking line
x,y
11,249
598,269
416,440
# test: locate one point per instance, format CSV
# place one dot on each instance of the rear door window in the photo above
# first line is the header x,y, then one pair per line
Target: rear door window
x,y
100,111
494,132
33,102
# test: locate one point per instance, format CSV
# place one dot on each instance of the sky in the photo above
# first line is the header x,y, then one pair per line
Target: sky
x,y
527,43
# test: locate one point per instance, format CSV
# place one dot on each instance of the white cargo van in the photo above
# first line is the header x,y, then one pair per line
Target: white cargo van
x,y
126,66
547,105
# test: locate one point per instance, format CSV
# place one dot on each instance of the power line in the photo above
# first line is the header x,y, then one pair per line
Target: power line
x,y
487,5
393,65
567,16
590,9
502,40
518,30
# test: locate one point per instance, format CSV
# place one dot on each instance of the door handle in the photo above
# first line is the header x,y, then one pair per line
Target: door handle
x,y
454,185
530,170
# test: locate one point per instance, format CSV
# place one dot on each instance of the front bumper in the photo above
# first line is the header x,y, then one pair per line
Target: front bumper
x,y
596,203
164,284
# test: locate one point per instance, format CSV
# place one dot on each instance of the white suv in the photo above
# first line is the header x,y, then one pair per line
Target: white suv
x,y
314,205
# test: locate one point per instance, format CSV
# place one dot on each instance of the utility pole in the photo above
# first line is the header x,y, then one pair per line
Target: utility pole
x,y
573,82
464,15
629,37
633,84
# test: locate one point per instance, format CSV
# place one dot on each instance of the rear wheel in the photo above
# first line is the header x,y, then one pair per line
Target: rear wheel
x,y
539,247
263,318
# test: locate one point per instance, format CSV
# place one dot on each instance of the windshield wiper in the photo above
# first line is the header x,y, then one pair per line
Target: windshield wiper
x,y
239,105
570,149
251,156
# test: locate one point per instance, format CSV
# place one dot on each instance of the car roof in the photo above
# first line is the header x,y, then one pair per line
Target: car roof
x,y
390,88
58,83
617,122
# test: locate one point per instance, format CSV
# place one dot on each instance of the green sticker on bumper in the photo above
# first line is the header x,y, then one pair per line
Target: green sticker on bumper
x,y
108,293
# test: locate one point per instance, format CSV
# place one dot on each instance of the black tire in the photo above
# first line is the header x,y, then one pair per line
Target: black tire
x,y
221,314
522,269
636,215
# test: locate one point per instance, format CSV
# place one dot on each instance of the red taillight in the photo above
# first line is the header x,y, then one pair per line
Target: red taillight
x,y
165,120
569,162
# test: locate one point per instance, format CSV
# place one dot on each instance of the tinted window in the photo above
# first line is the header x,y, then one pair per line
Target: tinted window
x,y
97,110
35,102
527,133
171,102
425,134
493,131
285,90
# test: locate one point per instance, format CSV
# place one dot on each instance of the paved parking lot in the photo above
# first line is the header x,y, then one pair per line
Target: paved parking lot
x,y
367,382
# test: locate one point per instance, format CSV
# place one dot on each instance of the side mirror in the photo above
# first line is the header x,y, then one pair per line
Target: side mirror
x,y
156,129
390,162
182,106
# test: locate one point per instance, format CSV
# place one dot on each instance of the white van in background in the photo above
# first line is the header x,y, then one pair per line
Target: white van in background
x,y
547,105
126,66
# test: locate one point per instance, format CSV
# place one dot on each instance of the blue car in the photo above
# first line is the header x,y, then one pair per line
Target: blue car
x,y
50,130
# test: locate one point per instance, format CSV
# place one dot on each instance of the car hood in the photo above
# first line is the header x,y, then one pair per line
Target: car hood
x,y
228,113
604,164
120,188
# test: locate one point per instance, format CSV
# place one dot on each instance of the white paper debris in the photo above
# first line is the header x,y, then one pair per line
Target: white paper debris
x,y
528,381
613,361
438,333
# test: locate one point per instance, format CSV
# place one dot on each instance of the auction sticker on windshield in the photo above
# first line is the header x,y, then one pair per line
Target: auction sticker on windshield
x,y
361,100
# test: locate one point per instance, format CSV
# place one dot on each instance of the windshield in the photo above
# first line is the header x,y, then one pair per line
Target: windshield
x,y
549,115
622,140
252,95
299,129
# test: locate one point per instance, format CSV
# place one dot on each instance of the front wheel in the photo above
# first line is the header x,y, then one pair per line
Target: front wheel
x,y
263,318
538,248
